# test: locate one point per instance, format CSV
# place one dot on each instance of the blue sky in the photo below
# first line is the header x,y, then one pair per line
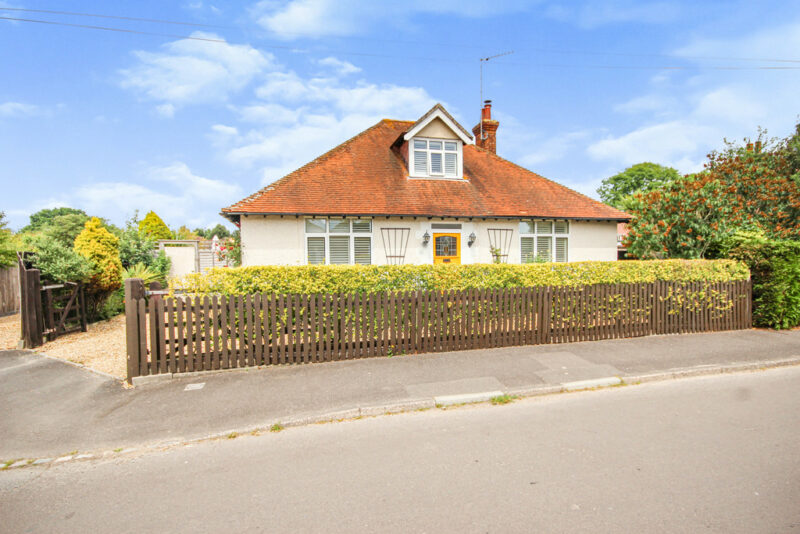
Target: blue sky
x,y
113,122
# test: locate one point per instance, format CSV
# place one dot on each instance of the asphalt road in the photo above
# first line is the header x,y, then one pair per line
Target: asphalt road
x,y
712,454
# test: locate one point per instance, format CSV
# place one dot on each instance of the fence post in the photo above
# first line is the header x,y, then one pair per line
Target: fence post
x,y
134,291
35,312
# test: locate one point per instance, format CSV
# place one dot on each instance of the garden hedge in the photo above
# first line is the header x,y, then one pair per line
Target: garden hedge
x,y
775,265
376,278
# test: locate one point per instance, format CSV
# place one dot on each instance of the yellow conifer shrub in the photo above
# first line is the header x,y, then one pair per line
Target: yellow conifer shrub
x,y
101,248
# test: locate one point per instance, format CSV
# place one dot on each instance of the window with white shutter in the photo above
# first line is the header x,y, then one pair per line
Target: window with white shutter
x,y
338,241
339,249
544,247
432,158
362,250
316,250
528,250
544,241
561,249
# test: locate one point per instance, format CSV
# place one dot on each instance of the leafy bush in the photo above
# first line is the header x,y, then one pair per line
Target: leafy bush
x,y
58,263
153,227
101,248
65,228
775,267
161,264
7,250
374,278
140,270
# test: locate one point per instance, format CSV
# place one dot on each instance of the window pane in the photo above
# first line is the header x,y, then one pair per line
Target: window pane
x,y
450,164
562,227
528,254
544,227
316,250
451,146
544,247
340,249
420,163
362,250
340,226
436,163
315,226
561,249
363,226
446,245
435,145
420,143
526,227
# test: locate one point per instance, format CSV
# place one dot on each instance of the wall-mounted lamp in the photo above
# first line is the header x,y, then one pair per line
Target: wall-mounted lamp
x,y
471,239
426,238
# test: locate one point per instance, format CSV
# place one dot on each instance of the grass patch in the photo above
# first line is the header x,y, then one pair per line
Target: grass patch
x,y
118,449
503,399
233,435
277,427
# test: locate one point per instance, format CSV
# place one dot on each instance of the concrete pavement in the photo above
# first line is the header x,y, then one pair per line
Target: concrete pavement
x,y
709,454
50,409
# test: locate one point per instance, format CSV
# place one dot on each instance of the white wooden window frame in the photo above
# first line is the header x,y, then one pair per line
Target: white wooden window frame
x,y
327,234
552,235
439,176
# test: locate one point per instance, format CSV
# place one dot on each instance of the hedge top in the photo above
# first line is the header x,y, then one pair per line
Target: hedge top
x,y
378,278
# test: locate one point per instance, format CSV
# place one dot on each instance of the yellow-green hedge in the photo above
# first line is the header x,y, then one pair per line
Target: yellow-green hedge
x,y
376,278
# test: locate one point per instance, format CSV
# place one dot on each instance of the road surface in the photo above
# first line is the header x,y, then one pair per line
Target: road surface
x,y
712,454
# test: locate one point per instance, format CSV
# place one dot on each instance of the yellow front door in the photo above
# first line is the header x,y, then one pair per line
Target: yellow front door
x,y
447,248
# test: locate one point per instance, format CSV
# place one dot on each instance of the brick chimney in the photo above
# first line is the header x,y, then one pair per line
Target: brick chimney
x,y
489,138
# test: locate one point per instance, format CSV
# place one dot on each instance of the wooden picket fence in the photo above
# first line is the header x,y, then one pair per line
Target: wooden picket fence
x,y
183,333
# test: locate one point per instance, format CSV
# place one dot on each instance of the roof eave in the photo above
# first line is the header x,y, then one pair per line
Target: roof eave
x,y
425,215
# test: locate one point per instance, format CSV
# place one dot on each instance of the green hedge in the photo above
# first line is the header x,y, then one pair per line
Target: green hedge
x,y
375,278
775,265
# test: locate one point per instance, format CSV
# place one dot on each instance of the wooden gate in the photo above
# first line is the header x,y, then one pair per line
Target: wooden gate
x,y
64,308
49,311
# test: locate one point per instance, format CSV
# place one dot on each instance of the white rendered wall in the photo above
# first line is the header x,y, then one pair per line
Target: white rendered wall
x,y
182,260
272,240
593,241
281,241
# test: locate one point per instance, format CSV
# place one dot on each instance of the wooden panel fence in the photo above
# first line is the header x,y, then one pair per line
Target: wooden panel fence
x,y
9,290
183,333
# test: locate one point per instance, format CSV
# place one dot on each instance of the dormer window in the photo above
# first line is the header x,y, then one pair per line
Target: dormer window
x,y
435,158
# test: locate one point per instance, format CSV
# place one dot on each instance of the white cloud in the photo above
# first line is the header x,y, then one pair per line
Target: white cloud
x,y
321,18
305,117
173,191
684,120
191,72
342,68
594,14
18,109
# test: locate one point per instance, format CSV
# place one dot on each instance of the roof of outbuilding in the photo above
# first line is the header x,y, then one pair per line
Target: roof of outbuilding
x,y
367,176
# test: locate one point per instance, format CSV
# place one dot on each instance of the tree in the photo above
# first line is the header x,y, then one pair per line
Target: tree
x,y
751,187
153,227
640,178
101,248
65,228
45,217
184,233
59,263
7,250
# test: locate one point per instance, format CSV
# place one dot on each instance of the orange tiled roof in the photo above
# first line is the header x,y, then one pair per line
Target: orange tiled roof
x,y
366,176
